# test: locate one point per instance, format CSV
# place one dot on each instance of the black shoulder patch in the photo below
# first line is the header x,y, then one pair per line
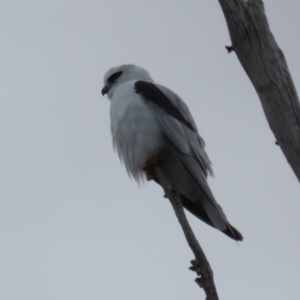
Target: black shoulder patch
x,y
153,94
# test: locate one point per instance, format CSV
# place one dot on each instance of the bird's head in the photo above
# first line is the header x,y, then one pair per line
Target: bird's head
x,y
115,76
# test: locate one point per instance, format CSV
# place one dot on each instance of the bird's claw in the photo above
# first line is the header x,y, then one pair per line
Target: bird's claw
x,y
151,163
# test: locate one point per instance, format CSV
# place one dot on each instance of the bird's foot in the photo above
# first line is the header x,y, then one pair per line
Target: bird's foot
x,y
151,163
150,175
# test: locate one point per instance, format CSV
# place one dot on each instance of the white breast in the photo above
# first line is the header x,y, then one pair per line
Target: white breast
x,y
135,133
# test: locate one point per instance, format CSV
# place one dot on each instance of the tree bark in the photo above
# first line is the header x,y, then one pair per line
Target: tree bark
x,y
200,265
265,64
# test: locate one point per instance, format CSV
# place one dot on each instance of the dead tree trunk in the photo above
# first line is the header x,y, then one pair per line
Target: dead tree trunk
x,y
265,64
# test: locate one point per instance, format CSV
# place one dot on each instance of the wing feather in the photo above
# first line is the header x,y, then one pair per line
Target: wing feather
x,y
180,131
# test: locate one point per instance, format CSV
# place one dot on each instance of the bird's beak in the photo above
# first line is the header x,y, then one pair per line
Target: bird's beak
x,y
105,90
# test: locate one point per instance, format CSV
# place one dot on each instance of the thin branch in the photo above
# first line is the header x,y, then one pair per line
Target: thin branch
x,y
265,64
200,265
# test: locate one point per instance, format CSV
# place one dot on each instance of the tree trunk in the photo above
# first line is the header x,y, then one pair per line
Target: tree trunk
x,y
265,64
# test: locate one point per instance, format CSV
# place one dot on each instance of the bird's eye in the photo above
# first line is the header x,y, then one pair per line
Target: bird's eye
x,y
113,78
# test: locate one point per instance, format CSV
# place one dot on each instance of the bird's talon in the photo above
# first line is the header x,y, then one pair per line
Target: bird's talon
x,y
150,174
151,163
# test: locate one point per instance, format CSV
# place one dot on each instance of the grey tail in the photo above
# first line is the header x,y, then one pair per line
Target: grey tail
x,y
233,233
200,213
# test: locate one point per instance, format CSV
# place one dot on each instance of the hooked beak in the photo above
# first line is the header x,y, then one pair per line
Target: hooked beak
x,y
105,90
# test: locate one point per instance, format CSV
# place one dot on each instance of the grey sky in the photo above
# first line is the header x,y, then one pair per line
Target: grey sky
x,y
72,224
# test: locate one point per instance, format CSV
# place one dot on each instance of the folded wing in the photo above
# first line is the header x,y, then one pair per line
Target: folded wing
x,y
185,162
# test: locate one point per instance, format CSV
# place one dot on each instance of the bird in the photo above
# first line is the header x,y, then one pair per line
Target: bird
x,y
152,127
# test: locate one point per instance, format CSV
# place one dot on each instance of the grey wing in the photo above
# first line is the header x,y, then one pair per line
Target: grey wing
x,y
193,138
189,165
184,161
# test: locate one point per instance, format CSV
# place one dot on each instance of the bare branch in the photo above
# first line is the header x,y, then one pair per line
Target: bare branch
x,y
200,265
265,64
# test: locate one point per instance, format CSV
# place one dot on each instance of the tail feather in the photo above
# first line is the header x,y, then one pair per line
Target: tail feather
x,y
200,213
233,233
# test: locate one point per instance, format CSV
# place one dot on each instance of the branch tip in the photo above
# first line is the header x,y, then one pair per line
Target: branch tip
x,y
199,281
229,48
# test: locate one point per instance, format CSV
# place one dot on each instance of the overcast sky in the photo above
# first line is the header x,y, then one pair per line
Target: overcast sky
x,y
72,224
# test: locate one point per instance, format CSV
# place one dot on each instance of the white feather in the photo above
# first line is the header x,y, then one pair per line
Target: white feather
x,y
136,135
